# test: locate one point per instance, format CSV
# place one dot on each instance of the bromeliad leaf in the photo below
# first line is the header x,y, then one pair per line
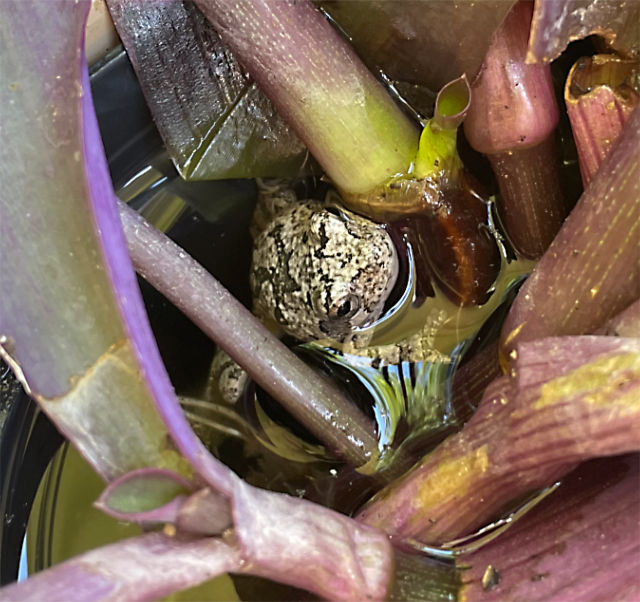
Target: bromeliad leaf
x,y
214,120
556,23
65,282
581,543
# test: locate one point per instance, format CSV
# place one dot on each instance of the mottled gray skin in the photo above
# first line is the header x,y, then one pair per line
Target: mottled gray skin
x,y
317,272
226,378
321,272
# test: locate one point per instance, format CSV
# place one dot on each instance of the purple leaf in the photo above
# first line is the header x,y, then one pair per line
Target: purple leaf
x,y
558,22
600,97
581,543
311,547
141,568
145,495
152,495
276,536
72,321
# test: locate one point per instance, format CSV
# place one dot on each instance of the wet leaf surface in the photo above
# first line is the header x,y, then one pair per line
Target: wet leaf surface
x,y
213,119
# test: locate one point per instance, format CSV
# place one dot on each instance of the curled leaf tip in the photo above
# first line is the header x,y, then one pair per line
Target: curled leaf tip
x,y
437,151
452,104
589,74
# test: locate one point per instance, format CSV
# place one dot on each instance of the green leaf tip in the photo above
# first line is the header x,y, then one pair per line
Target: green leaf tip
x,y
437,152
143,490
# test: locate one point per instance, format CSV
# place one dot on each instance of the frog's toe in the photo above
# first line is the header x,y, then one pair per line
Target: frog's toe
x,y
227,380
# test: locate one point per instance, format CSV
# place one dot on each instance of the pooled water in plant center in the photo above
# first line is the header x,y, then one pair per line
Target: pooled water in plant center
x,y
400,379
408,401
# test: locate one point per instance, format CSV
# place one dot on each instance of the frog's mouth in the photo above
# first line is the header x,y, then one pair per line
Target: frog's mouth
x,y
344,318
337,330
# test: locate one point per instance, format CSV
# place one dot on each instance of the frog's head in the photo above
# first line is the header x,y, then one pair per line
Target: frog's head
x,y
322,272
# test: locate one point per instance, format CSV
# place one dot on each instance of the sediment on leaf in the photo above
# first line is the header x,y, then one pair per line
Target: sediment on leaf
x,y
580,543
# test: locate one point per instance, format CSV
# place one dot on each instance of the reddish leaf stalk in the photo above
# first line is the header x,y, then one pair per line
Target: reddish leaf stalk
x,y
568,399
512,120
314,400
600,99
591,272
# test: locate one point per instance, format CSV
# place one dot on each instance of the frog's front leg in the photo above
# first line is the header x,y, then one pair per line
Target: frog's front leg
x,y
227,380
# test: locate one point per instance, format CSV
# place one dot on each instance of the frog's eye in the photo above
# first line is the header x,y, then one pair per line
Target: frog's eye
x,y
345,307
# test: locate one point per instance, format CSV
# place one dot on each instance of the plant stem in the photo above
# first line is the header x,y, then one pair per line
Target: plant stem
x,y
512,119
531,205
345,117
591,271
312,399
600,98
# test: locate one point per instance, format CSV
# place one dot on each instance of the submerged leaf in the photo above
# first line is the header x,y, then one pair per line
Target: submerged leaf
x,y
214,121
